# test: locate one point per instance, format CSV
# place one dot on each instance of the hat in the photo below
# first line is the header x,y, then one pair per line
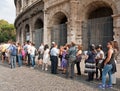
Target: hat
x,y
53,42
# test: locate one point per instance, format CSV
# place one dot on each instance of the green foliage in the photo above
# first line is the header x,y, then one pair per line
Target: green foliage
x,y
7,31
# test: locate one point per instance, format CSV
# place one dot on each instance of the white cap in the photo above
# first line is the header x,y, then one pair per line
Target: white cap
x,y
53,42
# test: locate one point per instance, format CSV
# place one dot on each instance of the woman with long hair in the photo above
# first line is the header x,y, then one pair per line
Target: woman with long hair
x,y
116,53
109,66
78,59
45,58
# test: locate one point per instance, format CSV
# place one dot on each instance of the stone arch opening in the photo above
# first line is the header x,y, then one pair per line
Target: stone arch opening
x,y
38,36
59,29
99,25
27,33
100,12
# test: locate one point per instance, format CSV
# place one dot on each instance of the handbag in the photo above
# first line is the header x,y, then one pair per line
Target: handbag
x,y
72,58
78,58
100,64
66,56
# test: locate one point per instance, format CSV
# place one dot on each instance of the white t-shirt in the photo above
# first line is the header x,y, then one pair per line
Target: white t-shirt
x,y
100,53
46,56
32,50
29,49
41,49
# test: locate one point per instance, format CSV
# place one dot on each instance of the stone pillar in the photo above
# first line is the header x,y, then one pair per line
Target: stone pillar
x,y
73,19
47,29
17,35
116,25
22,34
22,4
31,31
45,33
79,32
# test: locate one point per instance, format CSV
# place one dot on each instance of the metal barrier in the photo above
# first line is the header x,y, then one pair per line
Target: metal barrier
x,y
97,31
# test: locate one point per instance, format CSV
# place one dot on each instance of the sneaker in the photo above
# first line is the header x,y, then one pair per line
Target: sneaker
x,y
101,86
32,67
109,86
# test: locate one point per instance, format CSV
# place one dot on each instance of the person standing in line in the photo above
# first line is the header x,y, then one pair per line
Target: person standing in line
x,y
28,52
99,58
32,54
40,52
25,52
60,56
109,66
116,53
71,61
45,58
8,52
19,54
52,45
79,58
13,53
64,60
54,59
90,66
3,49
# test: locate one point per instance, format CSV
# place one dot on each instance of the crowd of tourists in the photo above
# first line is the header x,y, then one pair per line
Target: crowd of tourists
x,y
96,61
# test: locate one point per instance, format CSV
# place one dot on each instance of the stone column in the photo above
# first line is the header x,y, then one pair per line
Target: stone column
x,y
116,25
22,4
73,19
22,34
17,35
46,30
30,30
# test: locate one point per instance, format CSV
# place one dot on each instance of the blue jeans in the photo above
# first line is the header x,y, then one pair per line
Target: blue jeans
x,y
32,57
107,69
13,61
19,60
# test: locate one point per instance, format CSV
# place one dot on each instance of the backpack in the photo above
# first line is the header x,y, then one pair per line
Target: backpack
x,y
13,50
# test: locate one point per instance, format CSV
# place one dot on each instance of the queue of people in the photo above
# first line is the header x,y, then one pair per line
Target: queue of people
x,y
96,62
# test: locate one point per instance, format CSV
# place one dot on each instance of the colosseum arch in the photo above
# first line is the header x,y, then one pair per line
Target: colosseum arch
x,y
26,33
98,23
59,28
38,31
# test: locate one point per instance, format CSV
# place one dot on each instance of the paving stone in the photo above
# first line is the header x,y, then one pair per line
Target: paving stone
x,y
26,79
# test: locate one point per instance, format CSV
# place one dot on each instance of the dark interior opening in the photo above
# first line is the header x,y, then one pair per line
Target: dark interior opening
x,y
101,12
39,24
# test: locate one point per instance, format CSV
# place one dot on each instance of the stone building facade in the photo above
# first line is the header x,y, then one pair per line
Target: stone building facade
x,y
82,21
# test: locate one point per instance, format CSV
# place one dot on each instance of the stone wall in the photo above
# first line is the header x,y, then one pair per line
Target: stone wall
x,y
76,12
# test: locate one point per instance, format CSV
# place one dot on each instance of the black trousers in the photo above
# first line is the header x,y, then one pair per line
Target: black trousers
x,y
28,59
78,68
54,64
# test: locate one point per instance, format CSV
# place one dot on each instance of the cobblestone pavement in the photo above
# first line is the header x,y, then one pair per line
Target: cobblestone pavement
x,y
27,79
